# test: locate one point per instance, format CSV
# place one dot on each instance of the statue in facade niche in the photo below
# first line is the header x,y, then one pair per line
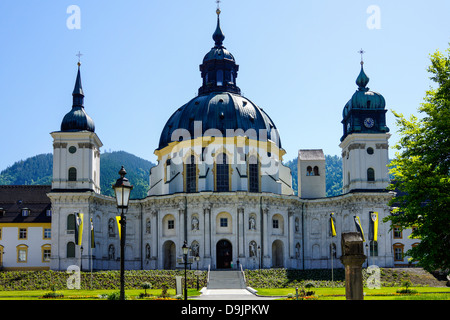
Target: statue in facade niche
x,y
195,249
194,223
148,226
252,248
111,226
252,223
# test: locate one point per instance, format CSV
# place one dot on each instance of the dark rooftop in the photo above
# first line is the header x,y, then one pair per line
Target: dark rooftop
x,y
13,199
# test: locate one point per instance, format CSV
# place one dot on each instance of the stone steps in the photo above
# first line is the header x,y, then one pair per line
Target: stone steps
x,y
226,280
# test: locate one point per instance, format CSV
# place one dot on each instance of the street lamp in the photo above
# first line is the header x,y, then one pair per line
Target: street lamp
x,y
122,190
185,254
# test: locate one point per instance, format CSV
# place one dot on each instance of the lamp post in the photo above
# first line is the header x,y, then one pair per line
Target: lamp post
x,y
185,255
122,190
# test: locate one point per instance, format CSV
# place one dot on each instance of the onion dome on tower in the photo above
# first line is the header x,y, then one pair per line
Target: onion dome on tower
x,y
365,112
77,119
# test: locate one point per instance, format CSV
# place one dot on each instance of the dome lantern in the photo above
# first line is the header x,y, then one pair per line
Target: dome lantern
x,y
219,69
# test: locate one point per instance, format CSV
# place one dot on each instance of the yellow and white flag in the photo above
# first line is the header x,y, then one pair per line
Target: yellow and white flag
x,y
374,217
78,228
118,218
358,227
333,229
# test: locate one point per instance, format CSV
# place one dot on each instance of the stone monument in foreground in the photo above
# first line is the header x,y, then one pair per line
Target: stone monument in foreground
x,y
353,257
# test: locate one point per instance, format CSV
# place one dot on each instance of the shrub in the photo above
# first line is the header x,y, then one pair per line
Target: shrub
x,y
164,288
145,286
114,296
52,294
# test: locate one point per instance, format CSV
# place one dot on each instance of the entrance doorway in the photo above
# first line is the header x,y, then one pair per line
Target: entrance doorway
x,y
224,253
277,254
169,251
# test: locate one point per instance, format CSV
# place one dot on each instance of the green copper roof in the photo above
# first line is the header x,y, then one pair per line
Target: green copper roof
x,y
363,98
362,79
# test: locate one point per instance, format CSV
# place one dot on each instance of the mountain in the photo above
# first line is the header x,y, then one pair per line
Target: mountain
x,y
38,170
138,171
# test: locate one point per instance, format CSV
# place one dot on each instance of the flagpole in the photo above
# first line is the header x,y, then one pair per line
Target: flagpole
x,y
90,249
332,278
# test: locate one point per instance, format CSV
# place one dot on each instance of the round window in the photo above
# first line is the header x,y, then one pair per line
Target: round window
x,y
370,150
72,149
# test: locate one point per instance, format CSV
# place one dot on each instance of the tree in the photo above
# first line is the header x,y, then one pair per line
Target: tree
x,y
421,171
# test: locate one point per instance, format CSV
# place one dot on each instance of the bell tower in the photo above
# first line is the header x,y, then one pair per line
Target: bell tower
x,y
364,143
76,148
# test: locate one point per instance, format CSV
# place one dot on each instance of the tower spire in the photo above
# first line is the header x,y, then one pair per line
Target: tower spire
x,y
218,35
362,79
77,94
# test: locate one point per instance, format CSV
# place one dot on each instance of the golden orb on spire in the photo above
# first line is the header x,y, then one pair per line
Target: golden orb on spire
x,y
218,7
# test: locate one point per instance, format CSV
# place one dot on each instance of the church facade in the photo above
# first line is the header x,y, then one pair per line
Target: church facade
x,y
220,186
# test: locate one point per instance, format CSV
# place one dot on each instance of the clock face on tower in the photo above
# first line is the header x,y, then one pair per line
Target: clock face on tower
x,y
368,122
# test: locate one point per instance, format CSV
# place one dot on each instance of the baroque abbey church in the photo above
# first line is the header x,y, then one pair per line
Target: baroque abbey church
x,y
220,186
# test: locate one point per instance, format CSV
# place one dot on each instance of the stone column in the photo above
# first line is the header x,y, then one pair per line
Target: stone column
x,y
207,231
265,235
181,230
353,257
154,231
241,232
291,233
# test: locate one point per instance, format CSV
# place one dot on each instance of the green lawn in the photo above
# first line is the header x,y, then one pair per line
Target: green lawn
x,y
85,294
384,293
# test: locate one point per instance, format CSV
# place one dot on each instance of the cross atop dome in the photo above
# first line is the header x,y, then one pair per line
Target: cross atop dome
x,y
361,52
79,54
218,7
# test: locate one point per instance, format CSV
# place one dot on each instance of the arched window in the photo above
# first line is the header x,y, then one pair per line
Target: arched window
x,y
253,174
316,170
219,78
72,174
370,174
222,173
309,171
70,250
191,175
71,223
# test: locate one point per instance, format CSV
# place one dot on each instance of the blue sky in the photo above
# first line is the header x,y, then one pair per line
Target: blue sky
x,y
298,61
